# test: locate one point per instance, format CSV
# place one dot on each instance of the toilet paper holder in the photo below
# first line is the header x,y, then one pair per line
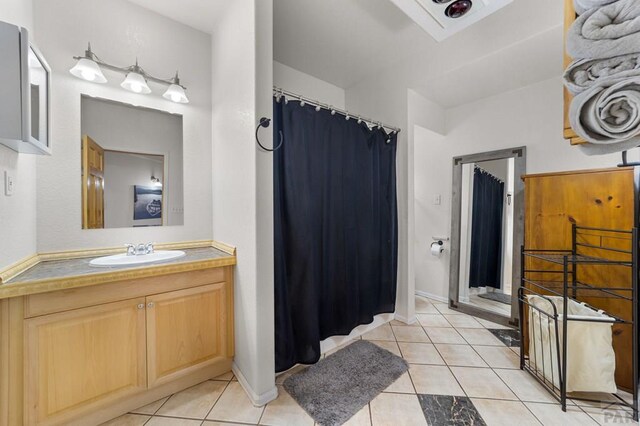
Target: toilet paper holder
x,y
440,240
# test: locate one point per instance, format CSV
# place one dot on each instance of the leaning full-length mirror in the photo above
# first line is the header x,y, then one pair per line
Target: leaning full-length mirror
x,y
487,232
132,172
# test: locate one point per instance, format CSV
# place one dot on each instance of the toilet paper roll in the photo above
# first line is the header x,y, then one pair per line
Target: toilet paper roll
x,y
436,249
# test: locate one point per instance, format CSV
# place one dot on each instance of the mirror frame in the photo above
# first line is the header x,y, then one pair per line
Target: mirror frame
x,y
519,155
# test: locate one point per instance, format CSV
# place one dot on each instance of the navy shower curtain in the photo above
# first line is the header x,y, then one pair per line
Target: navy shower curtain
x,y
336,242
486,230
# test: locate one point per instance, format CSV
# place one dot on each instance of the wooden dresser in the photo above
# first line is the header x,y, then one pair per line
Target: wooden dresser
x,y
606,198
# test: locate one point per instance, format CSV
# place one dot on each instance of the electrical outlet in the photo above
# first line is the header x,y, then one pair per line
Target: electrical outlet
x,y
9,183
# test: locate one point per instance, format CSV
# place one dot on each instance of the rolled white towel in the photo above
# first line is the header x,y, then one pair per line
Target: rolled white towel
x,y
584,5
585,73
605,32
608,116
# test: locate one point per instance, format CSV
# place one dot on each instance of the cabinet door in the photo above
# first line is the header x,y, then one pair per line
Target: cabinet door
x,y
81,360
186,331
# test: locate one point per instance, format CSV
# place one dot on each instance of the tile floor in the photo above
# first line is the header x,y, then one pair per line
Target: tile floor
x,y
449,354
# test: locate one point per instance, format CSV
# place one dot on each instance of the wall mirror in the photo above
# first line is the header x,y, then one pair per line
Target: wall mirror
x,y
132,166
487,233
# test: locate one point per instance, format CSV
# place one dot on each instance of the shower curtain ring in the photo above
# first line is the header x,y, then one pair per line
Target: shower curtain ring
x,y
265,122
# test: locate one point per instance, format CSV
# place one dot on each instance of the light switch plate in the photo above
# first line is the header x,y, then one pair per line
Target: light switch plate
x,y
9,183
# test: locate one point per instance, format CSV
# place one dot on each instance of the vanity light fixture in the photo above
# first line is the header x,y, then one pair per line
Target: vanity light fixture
x,y
89,68
156,181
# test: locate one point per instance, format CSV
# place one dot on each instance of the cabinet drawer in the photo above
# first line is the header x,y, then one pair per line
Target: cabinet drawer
x,y
65,300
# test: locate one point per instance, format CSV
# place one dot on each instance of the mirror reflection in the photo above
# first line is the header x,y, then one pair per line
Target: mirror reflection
x,y
132,174
486,243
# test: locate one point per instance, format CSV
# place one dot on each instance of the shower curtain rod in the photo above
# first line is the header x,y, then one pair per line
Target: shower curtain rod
x,y
277,91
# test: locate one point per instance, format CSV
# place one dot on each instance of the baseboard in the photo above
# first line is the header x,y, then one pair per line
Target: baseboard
x,y
257,400
432,296
410,321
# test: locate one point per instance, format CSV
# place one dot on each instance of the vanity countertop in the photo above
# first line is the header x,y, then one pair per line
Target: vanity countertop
x,y
52,275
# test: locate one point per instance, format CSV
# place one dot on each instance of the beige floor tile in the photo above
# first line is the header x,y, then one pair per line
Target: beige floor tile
x,y
482,383
525,386
226,376
493,325
498,357
340,347
410,334
128,420
212,423
382,332
552,415
168,421
390,346
504,413
393,409
420,353
443,308
150,409
423,306
194,402
402,385
610,415
444,335
432,320
460,355
280,378
361,418
234,406
434,380
479,336
463,321
402,324
285,411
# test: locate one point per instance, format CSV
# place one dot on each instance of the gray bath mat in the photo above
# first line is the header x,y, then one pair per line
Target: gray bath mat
x,y
497,297
337,387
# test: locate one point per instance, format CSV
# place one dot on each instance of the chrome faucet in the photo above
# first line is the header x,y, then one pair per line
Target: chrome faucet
x,y
140,249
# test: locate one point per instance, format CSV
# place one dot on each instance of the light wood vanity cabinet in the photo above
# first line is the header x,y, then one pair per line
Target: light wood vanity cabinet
x,y
91,354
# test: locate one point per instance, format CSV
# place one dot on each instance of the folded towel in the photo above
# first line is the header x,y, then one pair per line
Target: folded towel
x,y
585,73
608,116
605,32
584,5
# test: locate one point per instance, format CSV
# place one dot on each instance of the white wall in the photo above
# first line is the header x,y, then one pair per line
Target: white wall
x,y
243,183
531,116
307,85
122,127
18,212
119,32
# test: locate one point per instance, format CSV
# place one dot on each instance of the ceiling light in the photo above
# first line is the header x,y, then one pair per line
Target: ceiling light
x,y
136,83
87,69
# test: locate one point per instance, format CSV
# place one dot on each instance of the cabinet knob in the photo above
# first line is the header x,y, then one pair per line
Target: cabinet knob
x,y
150,305
141,306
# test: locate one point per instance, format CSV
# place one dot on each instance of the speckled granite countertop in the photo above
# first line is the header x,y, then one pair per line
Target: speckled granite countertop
x,y
61,274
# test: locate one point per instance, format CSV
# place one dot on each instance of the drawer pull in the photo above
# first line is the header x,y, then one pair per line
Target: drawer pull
x,y
141,306
150,305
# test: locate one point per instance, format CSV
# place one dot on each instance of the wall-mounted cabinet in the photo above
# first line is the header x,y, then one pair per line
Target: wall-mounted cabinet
x,y
25,85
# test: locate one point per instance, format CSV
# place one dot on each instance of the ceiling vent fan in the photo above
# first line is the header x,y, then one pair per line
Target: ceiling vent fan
x,y
443,18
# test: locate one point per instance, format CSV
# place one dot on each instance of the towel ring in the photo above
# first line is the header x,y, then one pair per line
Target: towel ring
x,y
265,122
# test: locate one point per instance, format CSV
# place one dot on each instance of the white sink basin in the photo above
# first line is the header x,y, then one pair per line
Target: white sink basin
x,y
124,260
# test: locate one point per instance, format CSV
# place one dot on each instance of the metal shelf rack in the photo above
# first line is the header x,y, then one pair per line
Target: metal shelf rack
x,y
557,274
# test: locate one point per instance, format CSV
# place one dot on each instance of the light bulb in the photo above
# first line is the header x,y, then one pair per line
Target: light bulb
x,y
176,93
136,83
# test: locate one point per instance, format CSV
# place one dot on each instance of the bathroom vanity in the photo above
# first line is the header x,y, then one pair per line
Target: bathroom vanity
x,y
82,345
